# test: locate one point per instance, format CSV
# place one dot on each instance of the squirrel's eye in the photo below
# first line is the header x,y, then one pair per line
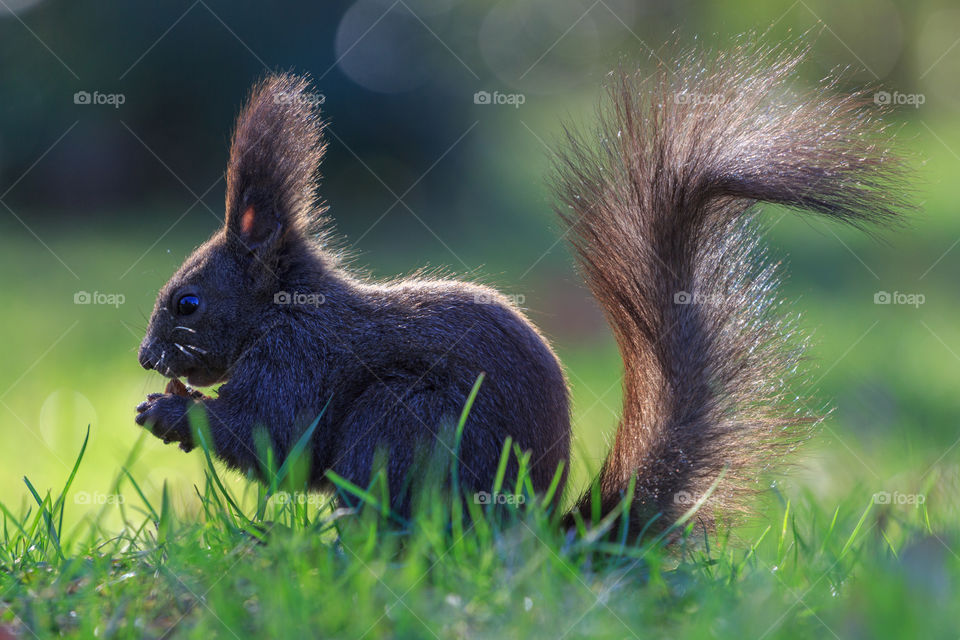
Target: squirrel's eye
x,y
187,305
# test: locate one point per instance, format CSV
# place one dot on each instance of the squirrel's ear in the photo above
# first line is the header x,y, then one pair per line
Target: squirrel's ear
x,y
271,177
255,225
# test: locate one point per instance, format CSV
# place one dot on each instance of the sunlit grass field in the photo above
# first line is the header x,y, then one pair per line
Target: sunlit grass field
x,y
860,539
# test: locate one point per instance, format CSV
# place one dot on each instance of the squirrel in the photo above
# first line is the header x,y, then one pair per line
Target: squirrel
x,y
658,201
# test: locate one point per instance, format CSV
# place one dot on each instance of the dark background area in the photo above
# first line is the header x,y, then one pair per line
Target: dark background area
x,y
398,78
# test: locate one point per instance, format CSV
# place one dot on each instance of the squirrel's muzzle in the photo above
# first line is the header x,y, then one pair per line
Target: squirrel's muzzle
x,y
145,356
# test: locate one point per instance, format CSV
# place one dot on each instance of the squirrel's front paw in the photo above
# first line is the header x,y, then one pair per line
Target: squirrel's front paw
x,y
166,416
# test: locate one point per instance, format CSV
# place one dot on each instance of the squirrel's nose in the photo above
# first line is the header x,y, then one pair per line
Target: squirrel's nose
x,y
145,357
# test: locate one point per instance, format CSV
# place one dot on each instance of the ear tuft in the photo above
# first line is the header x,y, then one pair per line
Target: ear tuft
x,y
274,158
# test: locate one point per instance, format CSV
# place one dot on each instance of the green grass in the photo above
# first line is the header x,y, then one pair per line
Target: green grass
x,y
274,562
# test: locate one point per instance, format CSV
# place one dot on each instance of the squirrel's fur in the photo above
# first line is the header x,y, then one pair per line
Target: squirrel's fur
x,y
658,204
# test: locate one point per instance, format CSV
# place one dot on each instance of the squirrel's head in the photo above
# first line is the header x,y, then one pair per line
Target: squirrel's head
x,y
216,303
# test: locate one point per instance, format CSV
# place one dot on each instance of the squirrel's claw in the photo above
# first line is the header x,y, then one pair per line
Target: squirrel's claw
x,y
165,416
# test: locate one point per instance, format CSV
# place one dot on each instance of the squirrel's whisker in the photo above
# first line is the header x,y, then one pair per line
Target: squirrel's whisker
x,y
182,350
202,352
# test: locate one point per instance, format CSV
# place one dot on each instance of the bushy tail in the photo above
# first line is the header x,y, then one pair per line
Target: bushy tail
x,y
657,203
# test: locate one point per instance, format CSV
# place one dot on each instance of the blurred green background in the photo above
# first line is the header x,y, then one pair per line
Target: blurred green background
x,y
109,198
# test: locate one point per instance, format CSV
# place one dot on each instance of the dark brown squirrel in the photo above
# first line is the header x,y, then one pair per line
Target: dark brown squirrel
x,y
658,202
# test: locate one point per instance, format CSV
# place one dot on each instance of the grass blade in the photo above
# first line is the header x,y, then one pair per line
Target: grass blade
x,y
856,529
